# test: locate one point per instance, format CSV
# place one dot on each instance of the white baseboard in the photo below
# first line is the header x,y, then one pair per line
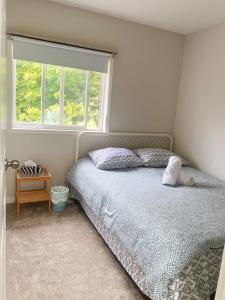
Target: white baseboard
x,y
10,199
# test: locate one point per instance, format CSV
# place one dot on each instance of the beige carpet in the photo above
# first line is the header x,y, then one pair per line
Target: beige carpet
x,y
61,257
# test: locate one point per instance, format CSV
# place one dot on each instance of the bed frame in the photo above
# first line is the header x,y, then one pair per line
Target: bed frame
x,y
88,141
91,140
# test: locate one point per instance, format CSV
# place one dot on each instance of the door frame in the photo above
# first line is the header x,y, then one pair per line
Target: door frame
x,y
3,106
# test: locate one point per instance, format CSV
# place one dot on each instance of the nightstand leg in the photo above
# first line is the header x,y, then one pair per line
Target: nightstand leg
x,y
49,185
49,207
18,208
17,202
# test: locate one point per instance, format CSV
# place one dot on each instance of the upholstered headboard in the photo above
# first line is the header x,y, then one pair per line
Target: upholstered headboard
x,y
89,140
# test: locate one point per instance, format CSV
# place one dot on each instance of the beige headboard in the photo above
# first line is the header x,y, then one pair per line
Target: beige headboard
x,y
89,140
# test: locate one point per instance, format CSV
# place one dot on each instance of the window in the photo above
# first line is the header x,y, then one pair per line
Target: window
x,y
59,94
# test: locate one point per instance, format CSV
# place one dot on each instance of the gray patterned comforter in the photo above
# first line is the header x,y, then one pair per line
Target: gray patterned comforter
x,y
162,228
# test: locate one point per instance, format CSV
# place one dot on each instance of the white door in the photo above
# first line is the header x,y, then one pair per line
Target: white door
x,y
2,148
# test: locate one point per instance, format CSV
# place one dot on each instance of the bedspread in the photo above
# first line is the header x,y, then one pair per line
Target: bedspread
x,y
162,228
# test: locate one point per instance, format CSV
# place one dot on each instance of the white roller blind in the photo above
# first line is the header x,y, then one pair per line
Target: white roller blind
x,y
60,55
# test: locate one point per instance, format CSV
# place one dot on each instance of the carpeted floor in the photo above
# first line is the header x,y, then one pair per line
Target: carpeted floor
x,y
61,257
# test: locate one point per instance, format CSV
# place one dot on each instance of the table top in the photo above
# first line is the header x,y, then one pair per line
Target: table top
x,y
44,175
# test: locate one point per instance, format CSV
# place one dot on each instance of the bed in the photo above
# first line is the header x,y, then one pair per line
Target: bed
x,y
169,240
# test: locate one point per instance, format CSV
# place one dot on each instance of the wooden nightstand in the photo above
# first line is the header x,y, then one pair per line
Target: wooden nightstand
x,y
29,196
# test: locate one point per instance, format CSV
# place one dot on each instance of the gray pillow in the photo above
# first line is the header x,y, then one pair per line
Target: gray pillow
x,y
156,158
115,158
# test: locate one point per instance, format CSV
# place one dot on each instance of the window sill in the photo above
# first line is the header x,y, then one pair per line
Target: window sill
x,y
43,131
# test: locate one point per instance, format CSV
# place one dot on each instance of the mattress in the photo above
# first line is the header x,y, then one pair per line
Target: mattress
x,y
170,240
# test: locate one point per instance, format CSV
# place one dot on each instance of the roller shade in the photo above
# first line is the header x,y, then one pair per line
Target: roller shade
x,y
60,55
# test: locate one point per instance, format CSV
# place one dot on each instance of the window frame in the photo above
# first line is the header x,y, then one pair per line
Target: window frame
x,y
32,126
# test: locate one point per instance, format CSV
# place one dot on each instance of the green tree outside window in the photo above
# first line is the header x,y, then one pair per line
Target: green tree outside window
x,y
57,85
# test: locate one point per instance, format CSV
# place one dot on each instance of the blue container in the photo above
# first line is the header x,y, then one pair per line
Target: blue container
x,y
59,207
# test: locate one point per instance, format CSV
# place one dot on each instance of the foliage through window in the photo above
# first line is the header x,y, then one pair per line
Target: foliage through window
x,y
53,96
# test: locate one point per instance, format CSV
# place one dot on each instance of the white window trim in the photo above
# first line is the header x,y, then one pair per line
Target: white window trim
x,y
108,95
16,127
42,93
62,84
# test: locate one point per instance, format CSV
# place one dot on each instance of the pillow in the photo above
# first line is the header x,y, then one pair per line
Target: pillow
x,y
115,158
156,158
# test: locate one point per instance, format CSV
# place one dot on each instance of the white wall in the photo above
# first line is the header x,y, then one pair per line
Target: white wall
x,y
145,82
55,151
200,119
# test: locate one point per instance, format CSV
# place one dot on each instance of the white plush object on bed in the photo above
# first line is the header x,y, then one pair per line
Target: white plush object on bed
x,y
172,171
174,175
185,179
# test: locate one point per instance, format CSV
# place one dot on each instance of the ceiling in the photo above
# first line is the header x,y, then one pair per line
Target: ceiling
x,y
182,16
